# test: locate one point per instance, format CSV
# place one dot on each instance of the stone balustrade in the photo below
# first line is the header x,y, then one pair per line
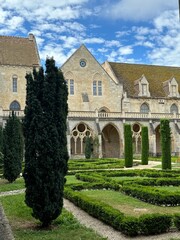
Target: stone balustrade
x,y
103,115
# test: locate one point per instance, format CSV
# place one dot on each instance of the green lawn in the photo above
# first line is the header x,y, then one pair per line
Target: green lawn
x,y
6,186
126,204
25,227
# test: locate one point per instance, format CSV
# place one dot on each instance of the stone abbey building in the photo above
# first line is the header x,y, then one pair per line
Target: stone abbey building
x,y
102,98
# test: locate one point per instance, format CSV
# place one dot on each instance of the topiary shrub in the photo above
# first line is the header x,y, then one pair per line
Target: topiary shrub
x,y
176,220
165,144
154,223
128,147
88,148
145,146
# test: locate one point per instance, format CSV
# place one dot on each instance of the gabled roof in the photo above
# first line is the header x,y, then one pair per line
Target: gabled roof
x,y
127,74
18,51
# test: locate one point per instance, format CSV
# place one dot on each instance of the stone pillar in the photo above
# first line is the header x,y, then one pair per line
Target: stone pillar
x,y
100,145
69,145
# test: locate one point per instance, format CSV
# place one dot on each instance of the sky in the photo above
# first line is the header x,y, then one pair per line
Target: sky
x,y
130,31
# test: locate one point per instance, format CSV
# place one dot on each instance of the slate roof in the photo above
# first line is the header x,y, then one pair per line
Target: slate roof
x,y
127,74
18,51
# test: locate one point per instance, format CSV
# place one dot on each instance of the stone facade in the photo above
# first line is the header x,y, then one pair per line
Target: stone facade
x,y
140,95
18,56
102,98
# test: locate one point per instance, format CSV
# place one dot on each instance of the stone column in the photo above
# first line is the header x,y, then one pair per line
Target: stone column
x,y
100,145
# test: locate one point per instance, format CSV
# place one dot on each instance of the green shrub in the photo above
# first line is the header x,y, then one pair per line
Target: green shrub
x,y
176,219
130,226
128,147
165,143
151,224
145,146
88,148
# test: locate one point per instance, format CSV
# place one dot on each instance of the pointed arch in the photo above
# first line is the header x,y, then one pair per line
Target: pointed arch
x,y
144,108
174,108
15,106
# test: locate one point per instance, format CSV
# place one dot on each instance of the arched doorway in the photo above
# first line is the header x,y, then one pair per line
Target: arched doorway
x,y
158,141
110,142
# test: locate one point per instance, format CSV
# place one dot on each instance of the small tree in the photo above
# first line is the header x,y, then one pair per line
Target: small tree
x,y
12,148
145,146
165,144
128,147
88,148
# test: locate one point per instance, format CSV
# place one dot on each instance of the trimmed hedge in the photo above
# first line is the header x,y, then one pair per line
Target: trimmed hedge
x,y
153,196
131,226
151,224
176,220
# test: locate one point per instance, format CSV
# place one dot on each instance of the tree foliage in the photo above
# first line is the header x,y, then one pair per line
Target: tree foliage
x,y
165,131
46,153
128,147
145,145
12,148
88,148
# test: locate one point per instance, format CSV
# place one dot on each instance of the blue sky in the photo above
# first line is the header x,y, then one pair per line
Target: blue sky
x,y
133,31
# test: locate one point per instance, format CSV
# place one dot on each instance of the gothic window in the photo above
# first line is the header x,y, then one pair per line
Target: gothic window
x,y
94,88
14,83
15,106
174,108
71,90
144,108
97,88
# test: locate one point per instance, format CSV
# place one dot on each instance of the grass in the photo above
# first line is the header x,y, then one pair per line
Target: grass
x,y
25,227
6,186
126,204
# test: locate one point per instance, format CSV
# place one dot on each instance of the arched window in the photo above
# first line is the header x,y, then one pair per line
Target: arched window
x,y
15,106
144,108
174,108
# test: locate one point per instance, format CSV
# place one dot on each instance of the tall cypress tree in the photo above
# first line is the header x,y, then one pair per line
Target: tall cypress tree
x,y
145,146
88,148
165,144
1,145
12,148
45,142
128,148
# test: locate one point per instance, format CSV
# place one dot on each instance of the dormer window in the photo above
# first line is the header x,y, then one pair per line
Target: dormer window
x,y
142,87
171,88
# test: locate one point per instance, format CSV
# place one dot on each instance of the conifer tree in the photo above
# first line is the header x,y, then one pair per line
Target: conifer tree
x,y
165,144
88,148
45,142
128,149
12,148
145,146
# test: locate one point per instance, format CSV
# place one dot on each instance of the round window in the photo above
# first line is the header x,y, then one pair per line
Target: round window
x,y
82,63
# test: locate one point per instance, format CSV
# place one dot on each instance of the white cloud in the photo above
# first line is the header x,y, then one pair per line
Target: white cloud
x,y
137,9
125,50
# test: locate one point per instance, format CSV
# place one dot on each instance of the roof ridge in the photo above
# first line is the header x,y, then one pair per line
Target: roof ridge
x,y
8,36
